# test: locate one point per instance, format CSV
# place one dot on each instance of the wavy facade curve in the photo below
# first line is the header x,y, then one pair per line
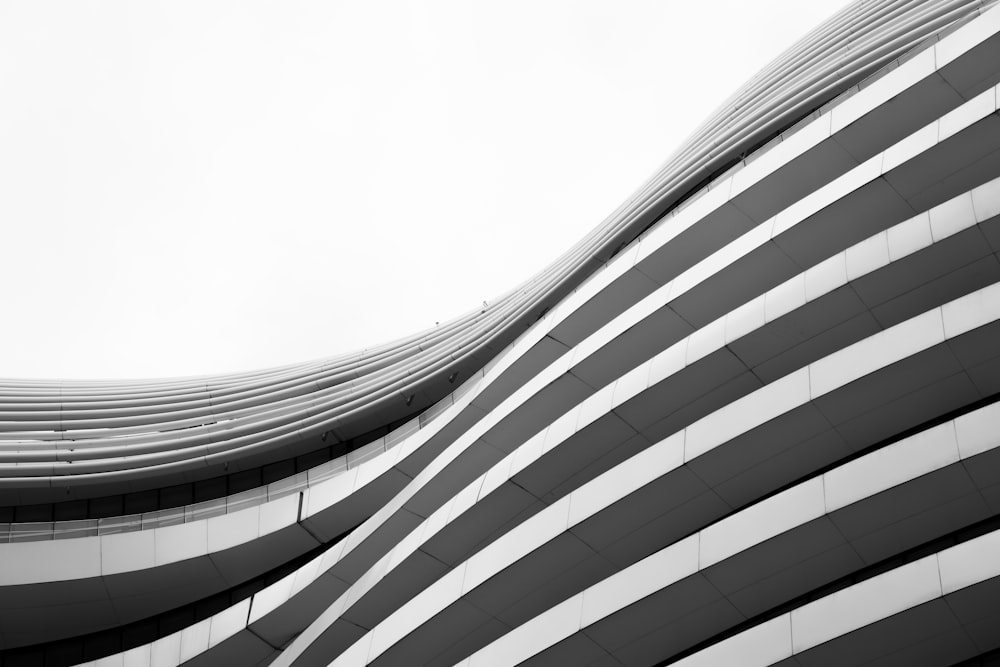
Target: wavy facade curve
x,y
751,418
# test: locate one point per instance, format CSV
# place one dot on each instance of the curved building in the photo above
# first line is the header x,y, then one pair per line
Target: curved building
x,y
750,419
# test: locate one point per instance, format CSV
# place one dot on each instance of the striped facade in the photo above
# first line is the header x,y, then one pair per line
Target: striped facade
x,y
750,419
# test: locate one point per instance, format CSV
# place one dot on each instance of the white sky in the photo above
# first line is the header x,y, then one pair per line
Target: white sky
x,y
205,186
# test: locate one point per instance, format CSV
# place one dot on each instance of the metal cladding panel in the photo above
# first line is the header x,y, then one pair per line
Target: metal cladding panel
x,y
748,419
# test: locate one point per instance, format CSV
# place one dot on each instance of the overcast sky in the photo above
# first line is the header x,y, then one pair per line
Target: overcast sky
x,y
208,186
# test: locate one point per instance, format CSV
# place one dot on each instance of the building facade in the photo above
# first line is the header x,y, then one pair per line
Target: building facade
x,y
750,419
